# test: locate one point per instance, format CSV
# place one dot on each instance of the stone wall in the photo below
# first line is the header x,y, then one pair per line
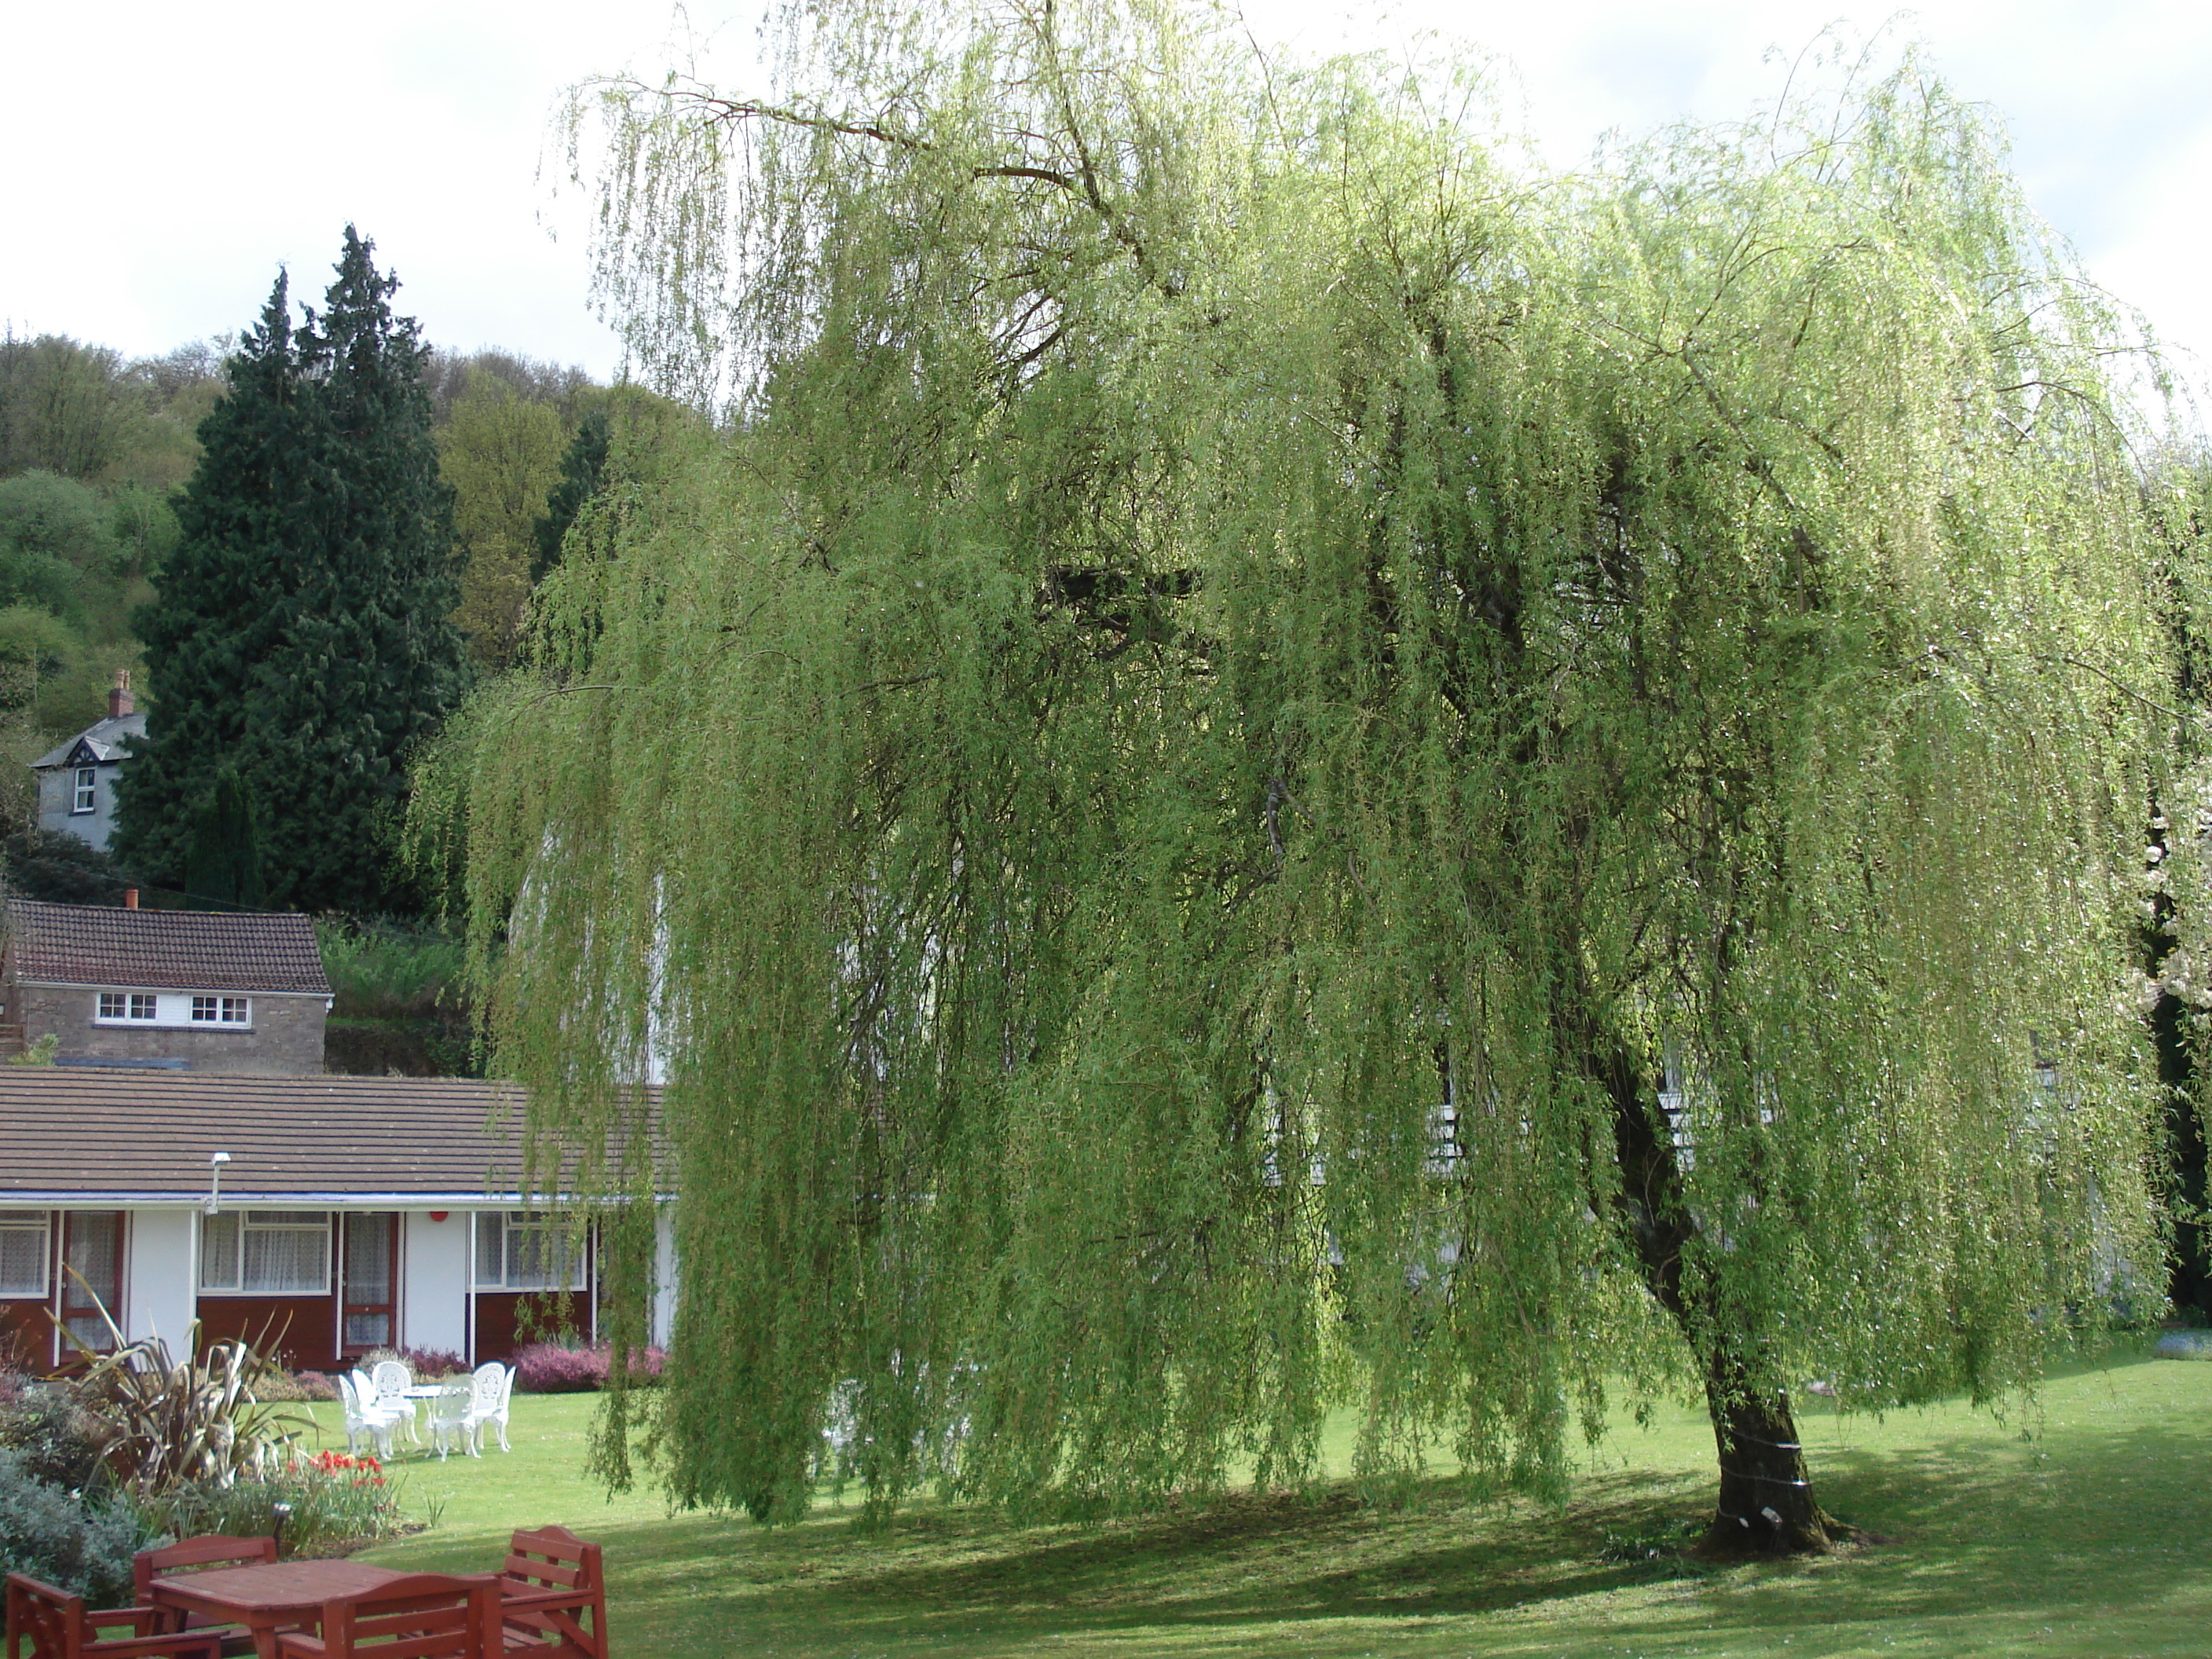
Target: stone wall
x,y
285,1040
58,796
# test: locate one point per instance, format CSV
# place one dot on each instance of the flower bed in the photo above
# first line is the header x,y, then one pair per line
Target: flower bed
x,y
337,1502
549,1368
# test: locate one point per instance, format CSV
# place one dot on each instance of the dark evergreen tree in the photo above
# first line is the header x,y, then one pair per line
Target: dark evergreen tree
x,y
213,621
301,633
224,865
58,868
582,469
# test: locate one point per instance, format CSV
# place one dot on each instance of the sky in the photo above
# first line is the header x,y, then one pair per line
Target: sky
x,y
154,189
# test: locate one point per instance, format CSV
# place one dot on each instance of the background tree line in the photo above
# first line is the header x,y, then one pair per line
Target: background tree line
x,y
94,446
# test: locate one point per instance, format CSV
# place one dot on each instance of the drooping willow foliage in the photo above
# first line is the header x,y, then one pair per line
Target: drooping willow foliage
x,y
1275,766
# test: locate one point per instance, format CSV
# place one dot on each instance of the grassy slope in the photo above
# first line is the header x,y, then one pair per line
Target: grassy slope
x,y
2088,1540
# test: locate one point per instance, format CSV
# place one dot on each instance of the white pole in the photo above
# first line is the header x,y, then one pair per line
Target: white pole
x,y
469,1298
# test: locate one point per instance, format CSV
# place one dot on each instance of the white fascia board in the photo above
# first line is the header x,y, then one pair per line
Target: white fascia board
x,y
81,1199
171,990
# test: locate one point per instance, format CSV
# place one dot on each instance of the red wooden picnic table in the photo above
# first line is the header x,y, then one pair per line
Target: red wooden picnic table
x,y
268,1599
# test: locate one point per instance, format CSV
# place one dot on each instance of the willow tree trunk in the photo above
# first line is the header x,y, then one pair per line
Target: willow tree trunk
x,y
1766,1504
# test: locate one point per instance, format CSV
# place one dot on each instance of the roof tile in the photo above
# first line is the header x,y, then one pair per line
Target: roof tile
x,y
164,949
148,1135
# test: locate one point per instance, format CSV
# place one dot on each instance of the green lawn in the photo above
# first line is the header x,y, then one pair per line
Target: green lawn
x,y
2091,1539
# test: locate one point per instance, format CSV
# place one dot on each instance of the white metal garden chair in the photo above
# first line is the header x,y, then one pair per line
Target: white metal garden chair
x,y
363,1419
391,1379
449,1419
489,1390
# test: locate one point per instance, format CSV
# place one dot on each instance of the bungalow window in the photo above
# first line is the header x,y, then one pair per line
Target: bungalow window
x,y
24,1237
266,1251
87,798
133,1005
517,1250
221,1011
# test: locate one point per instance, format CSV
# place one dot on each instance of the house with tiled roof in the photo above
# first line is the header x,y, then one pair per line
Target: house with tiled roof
x,y
186,1158
76,779
185,990
329,1215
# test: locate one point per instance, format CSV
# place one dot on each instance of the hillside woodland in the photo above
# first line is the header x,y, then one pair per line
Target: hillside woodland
x,y
93,445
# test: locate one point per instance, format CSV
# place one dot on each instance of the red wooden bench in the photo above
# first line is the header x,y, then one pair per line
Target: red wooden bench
x,y
57,1625
424,1615
551,1580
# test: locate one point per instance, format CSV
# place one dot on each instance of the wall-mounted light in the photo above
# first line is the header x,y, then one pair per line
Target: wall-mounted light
x,y
213,1204
437,1215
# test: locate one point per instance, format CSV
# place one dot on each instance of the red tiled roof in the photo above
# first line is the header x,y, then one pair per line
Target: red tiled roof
x,y
163,950
70,1135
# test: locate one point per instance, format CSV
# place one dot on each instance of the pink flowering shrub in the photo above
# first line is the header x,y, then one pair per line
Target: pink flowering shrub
x,y
549,1368
434,1363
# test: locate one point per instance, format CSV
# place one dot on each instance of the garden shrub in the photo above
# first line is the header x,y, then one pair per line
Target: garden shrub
x,y
434,1363
337,1502
160,1421
549,1368
51,1437
292,1388
427,1363
77,1543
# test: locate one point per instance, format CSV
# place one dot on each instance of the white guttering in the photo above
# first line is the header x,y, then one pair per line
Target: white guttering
x,y
80,1198
177,990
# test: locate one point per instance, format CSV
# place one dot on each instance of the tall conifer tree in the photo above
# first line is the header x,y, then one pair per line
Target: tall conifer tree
x,y
224,865
302,633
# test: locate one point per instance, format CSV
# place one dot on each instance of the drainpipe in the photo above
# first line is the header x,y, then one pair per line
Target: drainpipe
x,y
469,1298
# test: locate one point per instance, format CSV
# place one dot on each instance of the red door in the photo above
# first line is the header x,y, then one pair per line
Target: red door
x,y
369,1268
91,1276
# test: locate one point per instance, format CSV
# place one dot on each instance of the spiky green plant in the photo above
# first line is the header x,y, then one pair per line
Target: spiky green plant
x,y
162,1422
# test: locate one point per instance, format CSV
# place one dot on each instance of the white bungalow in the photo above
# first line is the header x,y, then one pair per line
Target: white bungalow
x,y
348,1213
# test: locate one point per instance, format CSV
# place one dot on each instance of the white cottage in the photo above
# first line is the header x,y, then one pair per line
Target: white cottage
x,y
351,1214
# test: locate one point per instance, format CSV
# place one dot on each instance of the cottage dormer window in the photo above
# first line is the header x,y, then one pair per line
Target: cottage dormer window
x,y
87,799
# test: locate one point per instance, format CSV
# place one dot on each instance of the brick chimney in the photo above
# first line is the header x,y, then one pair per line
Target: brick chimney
x,y
119,702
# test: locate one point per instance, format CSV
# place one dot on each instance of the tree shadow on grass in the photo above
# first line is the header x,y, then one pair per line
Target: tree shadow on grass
x,y
1973,1523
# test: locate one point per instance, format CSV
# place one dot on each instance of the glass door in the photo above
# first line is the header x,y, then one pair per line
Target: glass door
x,y
92,1274
369,1272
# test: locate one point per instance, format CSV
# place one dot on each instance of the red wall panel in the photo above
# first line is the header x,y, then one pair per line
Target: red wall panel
x,y
500,1319
27,1335
303,1329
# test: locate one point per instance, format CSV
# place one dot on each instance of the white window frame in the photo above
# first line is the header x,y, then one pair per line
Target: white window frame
x,y
25,1222
85,792
505,1225
244,1221
175,1011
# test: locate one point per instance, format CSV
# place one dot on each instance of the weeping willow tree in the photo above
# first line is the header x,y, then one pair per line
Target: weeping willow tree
x,y
1277,767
